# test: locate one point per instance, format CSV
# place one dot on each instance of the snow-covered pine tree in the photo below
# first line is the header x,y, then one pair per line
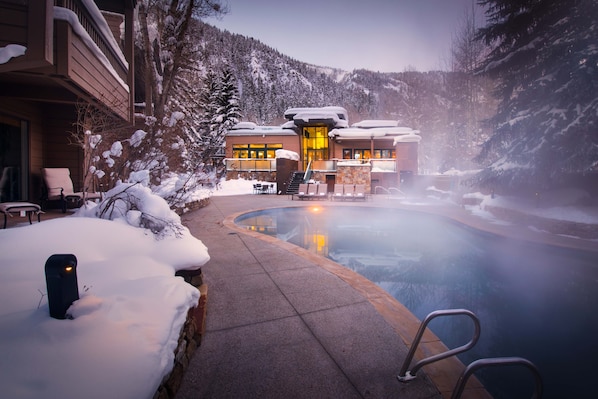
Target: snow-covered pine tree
x,y
208,106
546,60
227,114
220,111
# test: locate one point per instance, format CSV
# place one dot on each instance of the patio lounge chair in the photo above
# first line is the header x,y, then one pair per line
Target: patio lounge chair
x,y
338,191
58,186
359,192
302,191
8,208
312,191
349,191
322,191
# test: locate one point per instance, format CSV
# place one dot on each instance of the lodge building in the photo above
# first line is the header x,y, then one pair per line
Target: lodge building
x,y
377,153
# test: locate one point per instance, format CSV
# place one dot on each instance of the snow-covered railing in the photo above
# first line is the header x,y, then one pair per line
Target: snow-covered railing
x,y
95,25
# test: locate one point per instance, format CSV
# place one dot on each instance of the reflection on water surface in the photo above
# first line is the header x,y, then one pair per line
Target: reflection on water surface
x,y
533,301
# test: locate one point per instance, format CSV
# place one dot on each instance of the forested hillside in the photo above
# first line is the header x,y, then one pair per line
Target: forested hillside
x,y
448,108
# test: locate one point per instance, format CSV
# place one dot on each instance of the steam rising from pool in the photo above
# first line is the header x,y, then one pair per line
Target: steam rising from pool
x,y
533,301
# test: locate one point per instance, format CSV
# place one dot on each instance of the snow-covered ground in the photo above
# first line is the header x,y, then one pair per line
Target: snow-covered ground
x,y
566,205
119,342
121,338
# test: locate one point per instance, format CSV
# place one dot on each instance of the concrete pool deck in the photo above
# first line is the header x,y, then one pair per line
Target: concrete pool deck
x,y
282,322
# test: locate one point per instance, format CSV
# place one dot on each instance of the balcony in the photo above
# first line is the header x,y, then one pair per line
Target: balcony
x,y
269,165
250,165
71,54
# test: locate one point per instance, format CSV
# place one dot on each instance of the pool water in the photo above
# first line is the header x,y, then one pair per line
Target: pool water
x,y
533,301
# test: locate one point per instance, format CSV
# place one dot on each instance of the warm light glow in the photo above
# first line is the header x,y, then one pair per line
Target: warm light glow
x,y
315,209
68,268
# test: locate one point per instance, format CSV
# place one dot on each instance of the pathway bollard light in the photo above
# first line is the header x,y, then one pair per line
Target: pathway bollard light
x,y
61,283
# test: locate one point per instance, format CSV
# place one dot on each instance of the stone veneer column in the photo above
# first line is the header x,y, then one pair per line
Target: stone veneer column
x,y
354,173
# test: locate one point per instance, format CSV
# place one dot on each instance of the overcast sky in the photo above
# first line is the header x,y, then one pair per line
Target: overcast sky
x,y
379,35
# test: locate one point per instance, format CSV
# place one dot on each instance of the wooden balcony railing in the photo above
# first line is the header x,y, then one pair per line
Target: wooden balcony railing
x,y
98,34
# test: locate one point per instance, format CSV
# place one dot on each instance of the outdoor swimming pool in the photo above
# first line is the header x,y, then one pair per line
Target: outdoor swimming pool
x,y
533,301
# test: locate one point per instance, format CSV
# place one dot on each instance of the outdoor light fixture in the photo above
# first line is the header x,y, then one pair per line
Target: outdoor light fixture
x,y
61,283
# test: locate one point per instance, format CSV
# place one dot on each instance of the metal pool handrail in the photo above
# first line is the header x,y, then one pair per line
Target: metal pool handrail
x,y
388,190
406,375
497,361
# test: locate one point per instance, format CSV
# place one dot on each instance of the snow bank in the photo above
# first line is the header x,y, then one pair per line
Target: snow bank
x,y
125,327
236,187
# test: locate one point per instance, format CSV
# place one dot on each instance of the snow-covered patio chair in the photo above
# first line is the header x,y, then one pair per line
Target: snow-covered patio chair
x,y
58,186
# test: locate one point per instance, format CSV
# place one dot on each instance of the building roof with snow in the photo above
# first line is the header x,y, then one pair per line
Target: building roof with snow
x,y
332,116
252,129
337,120
377,130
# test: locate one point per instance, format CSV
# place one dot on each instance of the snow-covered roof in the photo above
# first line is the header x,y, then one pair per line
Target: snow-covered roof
x,y
288,125
374,131
245,125
370,123
407,138
335,116
251,129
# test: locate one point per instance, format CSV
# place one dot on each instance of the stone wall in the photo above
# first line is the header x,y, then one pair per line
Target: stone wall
x,y
354,174
189,339
191,206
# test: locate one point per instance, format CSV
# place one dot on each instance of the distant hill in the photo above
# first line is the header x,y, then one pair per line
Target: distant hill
x,y
447,107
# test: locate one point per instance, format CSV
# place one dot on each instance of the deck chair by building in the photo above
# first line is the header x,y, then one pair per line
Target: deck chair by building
x,y
338,191
349,191
58,186
322,191
312,191
302,192
359,192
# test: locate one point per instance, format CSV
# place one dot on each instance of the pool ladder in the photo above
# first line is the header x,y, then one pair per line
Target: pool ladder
x,y
406,375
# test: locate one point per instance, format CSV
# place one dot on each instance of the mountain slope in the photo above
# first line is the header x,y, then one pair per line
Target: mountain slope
x,y
439,104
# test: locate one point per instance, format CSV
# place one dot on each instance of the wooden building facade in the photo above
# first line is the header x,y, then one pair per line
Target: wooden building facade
x,y
54,55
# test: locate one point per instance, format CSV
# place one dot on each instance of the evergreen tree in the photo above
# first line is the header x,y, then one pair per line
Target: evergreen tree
x,y
220,112
227,111
208,106
546,61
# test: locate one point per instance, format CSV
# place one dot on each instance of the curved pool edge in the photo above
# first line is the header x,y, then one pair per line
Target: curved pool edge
x,y
443,374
